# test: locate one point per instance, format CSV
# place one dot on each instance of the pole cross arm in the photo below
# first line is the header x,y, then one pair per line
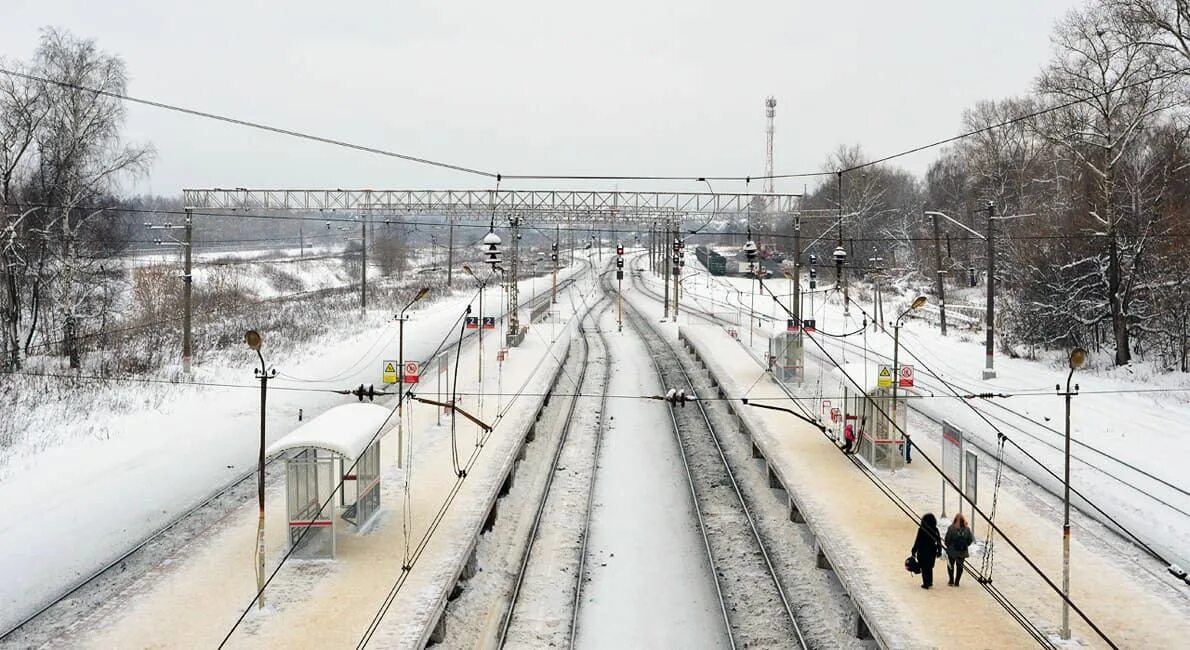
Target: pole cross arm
x,y
817,425
451,405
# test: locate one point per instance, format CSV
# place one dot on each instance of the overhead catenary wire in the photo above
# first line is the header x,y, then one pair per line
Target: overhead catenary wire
x,y
949,481
246,123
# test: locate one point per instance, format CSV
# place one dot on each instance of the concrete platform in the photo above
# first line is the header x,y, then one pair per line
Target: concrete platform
x,y
866,538
192,601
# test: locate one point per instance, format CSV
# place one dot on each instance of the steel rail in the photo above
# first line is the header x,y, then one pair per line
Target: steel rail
x,y
547,489
637,322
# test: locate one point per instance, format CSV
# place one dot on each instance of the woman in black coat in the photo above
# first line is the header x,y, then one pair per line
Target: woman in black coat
x,y
926,548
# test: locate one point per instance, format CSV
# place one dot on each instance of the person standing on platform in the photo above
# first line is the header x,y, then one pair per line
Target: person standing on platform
x,y
927,547
958,539
849,445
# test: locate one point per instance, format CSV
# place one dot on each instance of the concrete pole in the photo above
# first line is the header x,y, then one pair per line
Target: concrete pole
x,y
363,281
450,251
940,285
187,287
1065,632
797,270
989,371
665,269
401,390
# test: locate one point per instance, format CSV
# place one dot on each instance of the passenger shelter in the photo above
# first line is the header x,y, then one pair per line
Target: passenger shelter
x,y
321,467
880,443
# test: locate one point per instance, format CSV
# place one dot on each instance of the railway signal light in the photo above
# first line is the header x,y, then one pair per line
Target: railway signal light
x,y
619,262
619,249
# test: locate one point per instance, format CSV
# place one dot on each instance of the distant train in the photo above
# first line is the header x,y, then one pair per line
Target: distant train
x,y
715,263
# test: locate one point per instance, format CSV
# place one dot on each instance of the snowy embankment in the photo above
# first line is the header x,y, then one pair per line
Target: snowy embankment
x,y
98,467
1126,422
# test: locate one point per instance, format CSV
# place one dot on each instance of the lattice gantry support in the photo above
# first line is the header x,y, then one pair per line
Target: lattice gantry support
x,y
541,205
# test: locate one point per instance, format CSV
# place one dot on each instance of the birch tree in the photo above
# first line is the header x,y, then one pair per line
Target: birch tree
x,y
81,156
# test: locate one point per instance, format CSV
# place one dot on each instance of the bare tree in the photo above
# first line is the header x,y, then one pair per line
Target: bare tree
x,y
81,157
1111,74
21,112
1164,24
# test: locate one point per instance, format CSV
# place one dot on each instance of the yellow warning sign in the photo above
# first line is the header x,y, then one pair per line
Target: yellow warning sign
x,y
389,374
885,378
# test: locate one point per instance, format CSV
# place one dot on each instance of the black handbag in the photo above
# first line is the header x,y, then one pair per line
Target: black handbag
x,y
911,565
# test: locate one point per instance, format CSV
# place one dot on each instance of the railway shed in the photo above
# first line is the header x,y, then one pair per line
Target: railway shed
x,y
334,459
872,412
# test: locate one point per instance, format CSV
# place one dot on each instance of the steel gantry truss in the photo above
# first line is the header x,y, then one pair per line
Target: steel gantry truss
x,y
542,205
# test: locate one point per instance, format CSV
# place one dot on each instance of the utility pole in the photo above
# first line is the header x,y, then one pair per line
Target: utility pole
x,y
450,251
421,293
363,282
187,287
263,373
665,270
301,239
1077,357
989,371
940,285
514,324
797,271
677,270
187,279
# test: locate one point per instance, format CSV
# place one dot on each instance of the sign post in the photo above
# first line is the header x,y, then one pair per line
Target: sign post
x,y
971,484
388,372
410,373
906,378
884,377
952,458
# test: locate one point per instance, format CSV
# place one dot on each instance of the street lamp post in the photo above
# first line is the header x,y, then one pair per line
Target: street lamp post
x,y
421,293
896,378
1077,357
263,373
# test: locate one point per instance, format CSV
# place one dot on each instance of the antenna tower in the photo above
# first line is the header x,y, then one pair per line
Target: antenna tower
x,y
770,109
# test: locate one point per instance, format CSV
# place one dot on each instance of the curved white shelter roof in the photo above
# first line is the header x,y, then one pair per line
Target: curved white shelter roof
x,y
345,430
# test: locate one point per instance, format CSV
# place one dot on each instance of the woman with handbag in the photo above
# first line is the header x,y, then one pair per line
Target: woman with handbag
x,y
927,547
958,538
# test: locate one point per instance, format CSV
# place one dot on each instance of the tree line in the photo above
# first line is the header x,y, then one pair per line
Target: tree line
x,y
1086,175
62,151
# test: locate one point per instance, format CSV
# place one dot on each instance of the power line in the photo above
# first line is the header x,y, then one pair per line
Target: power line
x,y
246,123
564,228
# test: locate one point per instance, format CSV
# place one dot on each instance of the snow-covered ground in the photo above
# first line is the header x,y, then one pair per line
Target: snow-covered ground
x,y
109,466
1124,420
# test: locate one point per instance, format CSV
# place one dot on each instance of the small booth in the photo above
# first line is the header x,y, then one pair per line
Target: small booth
x,y
787,352
332,459
880,443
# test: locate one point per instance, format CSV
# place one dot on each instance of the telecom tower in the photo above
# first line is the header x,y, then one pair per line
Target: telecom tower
x,y
770,109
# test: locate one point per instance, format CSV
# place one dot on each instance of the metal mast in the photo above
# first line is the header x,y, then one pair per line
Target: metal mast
x,y
770,110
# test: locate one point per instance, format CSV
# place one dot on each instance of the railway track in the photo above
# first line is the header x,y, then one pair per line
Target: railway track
x,y
1126,475
77,601
1010,418
525,622
755,608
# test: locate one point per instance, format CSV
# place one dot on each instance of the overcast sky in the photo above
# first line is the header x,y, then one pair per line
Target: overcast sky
x,y
544,86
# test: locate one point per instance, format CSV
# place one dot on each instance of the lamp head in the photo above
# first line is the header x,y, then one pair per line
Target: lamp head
x,y
1078,357
918,302
252,338
421,293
